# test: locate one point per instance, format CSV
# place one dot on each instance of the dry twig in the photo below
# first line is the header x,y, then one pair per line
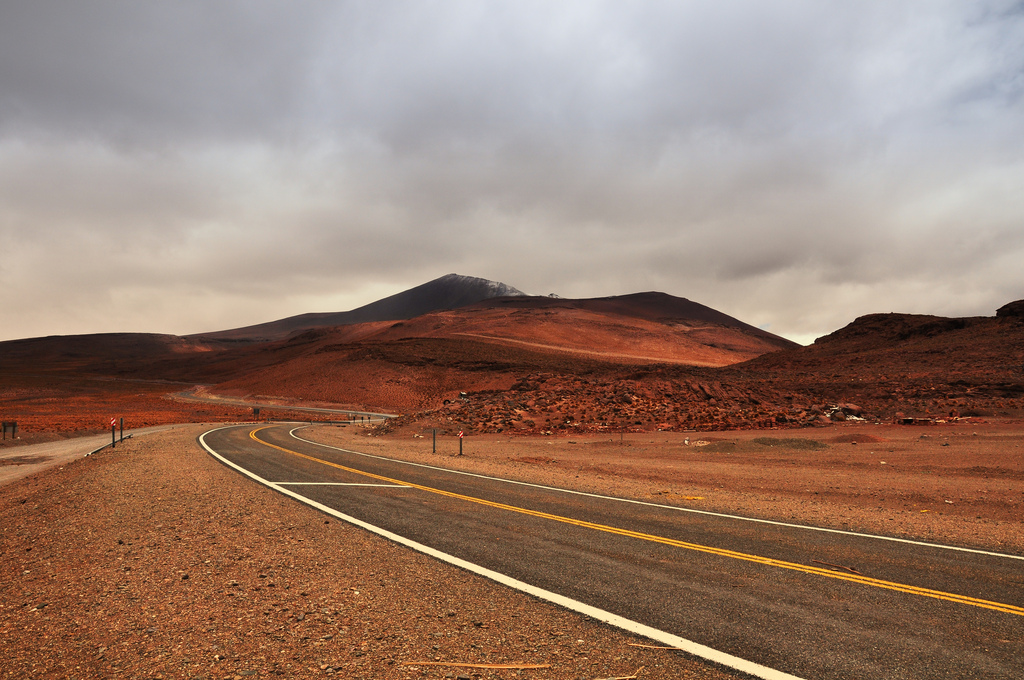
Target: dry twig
x,y
839,566
627,677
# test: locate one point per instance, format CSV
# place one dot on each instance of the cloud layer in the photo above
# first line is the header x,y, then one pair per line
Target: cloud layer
x,y
187,166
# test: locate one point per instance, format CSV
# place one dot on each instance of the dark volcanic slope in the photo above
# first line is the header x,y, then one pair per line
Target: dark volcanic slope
x,y
448,292
99,352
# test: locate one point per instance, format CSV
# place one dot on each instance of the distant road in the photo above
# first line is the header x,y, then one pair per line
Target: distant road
x,y
589,352
773,601
369,416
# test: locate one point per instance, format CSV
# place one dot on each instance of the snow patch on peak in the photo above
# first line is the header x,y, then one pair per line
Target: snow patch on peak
x,y
492,288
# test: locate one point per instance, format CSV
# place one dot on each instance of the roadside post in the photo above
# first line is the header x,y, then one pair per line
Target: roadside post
x,y
460,442
122,430
435,441
113,432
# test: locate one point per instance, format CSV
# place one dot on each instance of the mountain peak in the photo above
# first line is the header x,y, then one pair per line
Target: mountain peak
x,y
474,285
447,292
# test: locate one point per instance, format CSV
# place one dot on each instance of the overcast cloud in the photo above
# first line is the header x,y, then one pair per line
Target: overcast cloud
x,y
186,166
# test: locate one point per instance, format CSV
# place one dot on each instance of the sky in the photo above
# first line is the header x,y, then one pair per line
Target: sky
x,y
180,166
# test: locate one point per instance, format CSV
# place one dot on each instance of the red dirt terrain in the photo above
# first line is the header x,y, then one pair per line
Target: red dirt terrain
x,y
540,366
544,367
61,384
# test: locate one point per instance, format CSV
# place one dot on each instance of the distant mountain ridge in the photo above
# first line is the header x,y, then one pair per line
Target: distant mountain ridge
x,y
541,364
454,291
447,292
451,321
651,306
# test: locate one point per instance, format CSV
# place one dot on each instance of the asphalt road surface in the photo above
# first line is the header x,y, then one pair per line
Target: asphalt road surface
x,y
791,602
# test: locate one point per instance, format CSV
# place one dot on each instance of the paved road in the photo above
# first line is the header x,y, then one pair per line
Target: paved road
x,y
807,603
366,416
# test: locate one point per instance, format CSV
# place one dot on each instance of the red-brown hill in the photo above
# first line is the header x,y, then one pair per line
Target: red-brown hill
x,y
910,346
902,366
629,329
490,345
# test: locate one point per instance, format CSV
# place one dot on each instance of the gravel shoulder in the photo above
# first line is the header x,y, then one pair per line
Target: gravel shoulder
x,y
153,560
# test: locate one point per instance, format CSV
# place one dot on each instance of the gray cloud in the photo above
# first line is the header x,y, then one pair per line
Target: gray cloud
x,y
199,166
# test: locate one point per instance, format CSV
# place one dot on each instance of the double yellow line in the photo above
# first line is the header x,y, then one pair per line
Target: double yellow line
x,y
746,557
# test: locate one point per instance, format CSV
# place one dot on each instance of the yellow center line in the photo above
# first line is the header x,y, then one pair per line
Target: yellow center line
x,y
721,552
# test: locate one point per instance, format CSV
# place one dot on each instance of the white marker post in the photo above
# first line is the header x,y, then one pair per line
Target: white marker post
x,y
113,432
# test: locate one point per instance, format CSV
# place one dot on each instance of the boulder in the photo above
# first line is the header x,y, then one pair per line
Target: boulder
x,y
851,409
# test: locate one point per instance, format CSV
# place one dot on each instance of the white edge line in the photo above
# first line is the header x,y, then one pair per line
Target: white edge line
x,y
667,639
806,527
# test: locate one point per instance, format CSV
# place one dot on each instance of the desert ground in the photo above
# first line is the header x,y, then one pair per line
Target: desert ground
x,y
153,560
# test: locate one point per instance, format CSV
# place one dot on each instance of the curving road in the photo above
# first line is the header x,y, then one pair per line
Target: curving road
x,y
367,416
771,600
